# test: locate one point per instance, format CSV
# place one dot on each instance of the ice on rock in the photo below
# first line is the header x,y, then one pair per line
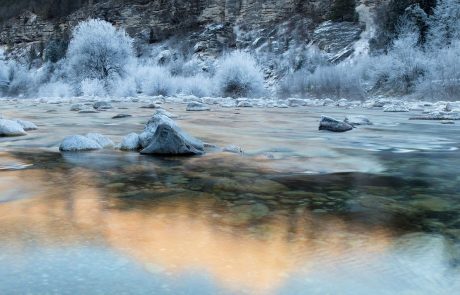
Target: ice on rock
x,y
397,107
357,120
26,125
102,140
130,142
11,128
77,143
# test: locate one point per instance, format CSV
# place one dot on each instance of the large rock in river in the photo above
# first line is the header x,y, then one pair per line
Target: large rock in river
x,y
78,143
11,128
334,125
171,140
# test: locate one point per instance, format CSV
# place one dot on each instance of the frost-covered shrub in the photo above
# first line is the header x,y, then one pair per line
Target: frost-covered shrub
x,y
153,80
98,51
199,85
336,81
93,87
238,75
55,89
123,87
20,79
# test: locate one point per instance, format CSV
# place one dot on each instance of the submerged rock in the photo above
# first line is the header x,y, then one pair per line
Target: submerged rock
x,y
77,143
334,125
102,140
197,107
121,116
130,142
102,105
170,140
11,128
357,120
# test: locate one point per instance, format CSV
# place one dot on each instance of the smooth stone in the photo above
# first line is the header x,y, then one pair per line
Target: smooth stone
x,y
11,128
76,143
168,140
357,120
121,116
150,106
77,107
130,142
197,107
331,124
102,140
27,125
102,105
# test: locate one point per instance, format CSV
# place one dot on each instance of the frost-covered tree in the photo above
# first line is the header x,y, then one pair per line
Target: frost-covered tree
x,y
239,75
444,24
98,51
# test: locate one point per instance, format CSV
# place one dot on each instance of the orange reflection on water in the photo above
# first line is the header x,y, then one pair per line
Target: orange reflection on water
x,y
180,234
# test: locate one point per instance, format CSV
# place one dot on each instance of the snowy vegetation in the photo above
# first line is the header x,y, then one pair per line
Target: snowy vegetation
x,y
422,61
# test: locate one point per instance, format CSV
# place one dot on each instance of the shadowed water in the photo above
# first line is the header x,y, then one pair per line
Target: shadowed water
x,y
290,216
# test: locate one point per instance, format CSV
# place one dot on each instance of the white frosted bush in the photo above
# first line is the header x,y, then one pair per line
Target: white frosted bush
x,y
98,51
153,80
123,87
93,87
238,75
199,85
55,89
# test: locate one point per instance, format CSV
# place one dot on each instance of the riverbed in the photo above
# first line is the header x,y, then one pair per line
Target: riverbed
x,y
299,211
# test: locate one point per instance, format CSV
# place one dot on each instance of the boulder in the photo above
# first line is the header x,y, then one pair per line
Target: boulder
x,y
11,128
27,125
130,142
170,140
102,140
77,143
102,105
357,120
197,107
159,118
334,125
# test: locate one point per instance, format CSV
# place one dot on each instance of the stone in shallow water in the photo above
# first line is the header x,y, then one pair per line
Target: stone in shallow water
x,y
150,106
76,143
11,128
197,107
130,142
102,140
121,116
244,104
168,140
331,124
102,105
27,125
357,120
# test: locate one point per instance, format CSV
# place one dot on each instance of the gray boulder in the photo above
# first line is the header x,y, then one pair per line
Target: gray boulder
x,y
331,124
170,140
78,143
11,128
197,107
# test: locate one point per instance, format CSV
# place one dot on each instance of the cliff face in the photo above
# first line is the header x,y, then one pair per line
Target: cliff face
x,y
209,26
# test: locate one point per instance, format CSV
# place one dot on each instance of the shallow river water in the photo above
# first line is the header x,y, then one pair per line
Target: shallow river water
x,y
372,211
